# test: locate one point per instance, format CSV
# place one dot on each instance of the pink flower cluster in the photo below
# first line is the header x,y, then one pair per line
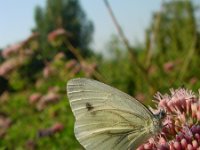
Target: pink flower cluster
x,y
15,49
41,101
74,67
57,33
8,66
181,127
57,127
5,123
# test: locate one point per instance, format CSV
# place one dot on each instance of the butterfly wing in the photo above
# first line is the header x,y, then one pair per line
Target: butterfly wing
x,y
106,118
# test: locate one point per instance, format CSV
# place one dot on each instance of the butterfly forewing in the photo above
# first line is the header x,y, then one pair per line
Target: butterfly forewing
x,y
106,118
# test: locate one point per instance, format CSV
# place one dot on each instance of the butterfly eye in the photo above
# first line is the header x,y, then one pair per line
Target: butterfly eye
x,y
162,114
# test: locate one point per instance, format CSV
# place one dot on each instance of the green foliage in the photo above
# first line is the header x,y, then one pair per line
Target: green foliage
x,y
30,68
27,122
16,82
175,16
170,58
66,14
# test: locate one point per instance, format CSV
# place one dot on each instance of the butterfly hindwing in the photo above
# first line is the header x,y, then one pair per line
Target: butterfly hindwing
x,y
106,118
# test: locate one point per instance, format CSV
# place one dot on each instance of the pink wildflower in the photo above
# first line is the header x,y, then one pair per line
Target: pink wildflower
x,y
48,71
88,69
57,127
57,33
168,66
35,97
5,123
181,128
8,66
49,98
71,63
11,50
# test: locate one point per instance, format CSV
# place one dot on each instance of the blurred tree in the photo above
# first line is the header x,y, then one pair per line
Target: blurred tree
x,y
174,28
68,15
173,36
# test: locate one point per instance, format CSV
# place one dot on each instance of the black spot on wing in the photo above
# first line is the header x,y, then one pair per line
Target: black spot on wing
x,y
89,106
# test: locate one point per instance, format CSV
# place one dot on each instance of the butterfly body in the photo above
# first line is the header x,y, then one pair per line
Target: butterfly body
x,y
107,118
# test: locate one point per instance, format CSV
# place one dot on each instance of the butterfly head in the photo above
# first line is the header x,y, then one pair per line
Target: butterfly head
x,y
157,121
161,115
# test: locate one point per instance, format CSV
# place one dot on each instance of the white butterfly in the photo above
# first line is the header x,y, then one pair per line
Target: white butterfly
x,y
108,119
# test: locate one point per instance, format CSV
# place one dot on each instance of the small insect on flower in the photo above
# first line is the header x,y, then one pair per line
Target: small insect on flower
x,y
108,119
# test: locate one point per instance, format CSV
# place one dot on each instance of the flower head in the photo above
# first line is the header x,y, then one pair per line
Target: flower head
x,y
181,128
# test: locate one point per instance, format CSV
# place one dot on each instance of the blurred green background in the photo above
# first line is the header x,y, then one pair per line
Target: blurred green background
x,y
34,109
